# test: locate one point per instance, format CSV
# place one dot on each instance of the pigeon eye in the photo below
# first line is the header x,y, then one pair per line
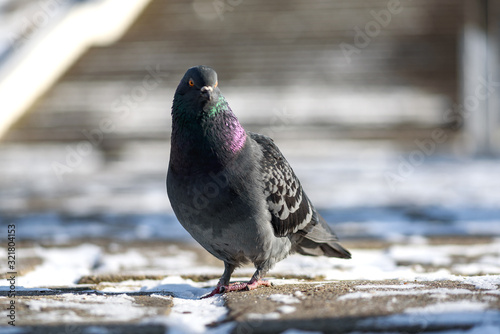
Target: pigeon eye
x,y
191,82
216,83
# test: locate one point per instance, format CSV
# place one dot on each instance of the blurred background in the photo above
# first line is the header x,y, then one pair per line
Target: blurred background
x,y
389,111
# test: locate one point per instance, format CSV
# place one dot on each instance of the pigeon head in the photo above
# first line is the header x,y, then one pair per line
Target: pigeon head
x,y
204,128
198,88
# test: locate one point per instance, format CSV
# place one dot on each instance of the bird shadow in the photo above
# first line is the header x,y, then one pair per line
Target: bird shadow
x,y
181,290
177,290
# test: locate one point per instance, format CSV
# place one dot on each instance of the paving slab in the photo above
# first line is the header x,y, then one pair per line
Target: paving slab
x,y
114,286
56,307
343,307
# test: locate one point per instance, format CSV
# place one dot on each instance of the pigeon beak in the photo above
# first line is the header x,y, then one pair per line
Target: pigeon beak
x,y
206,92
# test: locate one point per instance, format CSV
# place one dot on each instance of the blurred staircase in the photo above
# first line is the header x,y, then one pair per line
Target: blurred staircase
x,y
280,65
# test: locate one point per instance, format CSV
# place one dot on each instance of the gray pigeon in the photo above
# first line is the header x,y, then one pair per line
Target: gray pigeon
x,y
234,191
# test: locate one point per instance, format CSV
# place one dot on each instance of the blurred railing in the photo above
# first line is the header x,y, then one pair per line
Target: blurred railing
x,y
32,33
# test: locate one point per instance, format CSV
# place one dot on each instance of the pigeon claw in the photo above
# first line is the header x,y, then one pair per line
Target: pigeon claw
x,y
255,284
238,286
217,290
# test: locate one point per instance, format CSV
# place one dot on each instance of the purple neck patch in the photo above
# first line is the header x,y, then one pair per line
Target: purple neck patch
x,y
238,138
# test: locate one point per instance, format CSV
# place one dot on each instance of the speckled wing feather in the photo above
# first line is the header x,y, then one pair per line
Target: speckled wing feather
x,y
290,208
292,214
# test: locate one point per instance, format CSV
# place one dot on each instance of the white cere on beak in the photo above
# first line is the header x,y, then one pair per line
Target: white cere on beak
x,y
207,88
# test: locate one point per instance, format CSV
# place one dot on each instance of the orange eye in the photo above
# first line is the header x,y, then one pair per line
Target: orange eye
x,y
191,82
216,83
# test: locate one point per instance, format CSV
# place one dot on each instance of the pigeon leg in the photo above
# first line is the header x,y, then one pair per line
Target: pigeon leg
x,y
256,280
250,285
253,284
223,282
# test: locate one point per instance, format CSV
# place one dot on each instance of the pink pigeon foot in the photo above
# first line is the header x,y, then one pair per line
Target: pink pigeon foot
x,y
239,286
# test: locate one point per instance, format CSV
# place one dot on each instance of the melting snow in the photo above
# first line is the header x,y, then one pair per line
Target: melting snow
x,y
286,309
108,308
387,286
480,322
264,316
285,299
398,262
62,266
432,292
447,307
190,314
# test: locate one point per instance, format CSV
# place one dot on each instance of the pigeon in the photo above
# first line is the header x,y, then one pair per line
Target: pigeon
x,y
234,191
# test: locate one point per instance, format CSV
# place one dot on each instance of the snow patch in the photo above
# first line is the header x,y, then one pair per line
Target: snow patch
x,y
121,261
193,315
108,308
445,307
263,316
286,309
401,262
189,313
285,299
436,293
298,294
483,282
387,286
62,266
482,320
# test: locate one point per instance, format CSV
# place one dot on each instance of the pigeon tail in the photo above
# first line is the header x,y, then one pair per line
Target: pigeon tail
x,y
317,239
330,249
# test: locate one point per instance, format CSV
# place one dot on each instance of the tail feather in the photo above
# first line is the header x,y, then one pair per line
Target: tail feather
x,y
319,240
335,250
332,249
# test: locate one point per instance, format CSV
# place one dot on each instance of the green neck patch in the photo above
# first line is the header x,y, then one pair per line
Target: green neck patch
x,y
214,110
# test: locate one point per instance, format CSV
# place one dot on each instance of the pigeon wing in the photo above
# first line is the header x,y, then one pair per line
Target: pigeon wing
x,y
290,208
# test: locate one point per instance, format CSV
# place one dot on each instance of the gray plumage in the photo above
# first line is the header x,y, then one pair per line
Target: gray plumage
x,y
233,190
